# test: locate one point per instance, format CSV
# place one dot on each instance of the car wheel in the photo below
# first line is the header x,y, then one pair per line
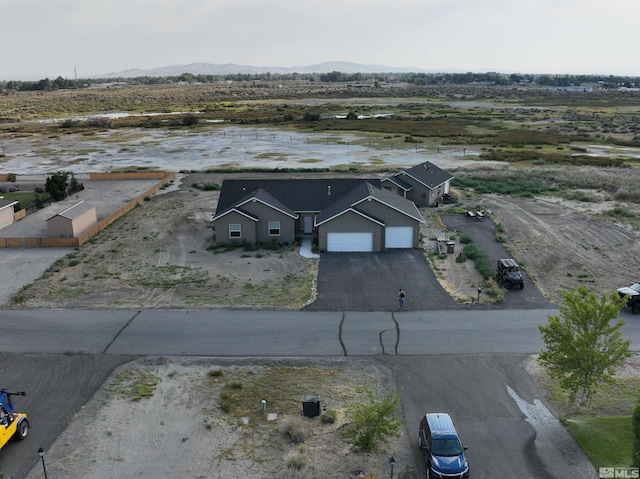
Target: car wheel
x,y
521,285
635,309
23,429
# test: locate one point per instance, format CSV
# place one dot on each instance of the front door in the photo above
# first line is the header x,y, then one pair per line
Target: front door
x,y
308,225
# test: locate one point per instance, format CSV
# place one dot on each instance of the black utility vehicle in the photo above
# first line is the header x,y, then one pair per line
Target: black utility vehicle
x,y
508,273
633,292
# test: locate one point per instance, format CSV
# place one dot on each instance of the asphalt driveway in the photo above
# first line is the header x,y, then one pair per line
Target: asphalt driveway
x,y
484,235
370,282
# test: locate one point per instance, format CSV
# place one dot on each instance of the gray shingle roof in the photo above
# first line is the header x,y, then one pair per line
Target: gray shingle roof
x,y
299,195
428,174
367,191
76,210
259,194
4,203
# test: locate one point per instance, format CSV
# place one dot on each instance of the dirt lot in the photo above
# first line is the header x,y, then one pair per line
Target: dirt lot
x,y
180,431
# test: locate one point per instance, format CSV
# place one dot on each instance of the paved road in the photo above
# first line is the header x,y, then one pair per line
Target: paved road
x,y
271,333
278,333
467,362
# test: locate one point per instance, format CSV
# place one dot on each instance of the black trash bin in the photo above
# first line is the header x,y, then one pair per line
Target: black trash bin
x,y
310,405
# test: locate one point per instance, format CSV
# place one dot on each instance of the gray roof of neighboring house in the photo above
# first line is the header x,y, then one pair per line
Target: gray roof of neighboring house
x,y
364,192
76,210
428,174
298,195
399,182
6,203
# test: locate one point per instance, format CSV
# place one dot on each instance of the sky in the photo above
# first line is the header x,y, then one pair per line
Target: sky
x,y
84,38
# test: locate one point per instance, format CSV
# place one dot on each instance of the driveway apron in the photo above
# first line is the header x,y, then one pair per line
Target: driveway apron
x,y
370,282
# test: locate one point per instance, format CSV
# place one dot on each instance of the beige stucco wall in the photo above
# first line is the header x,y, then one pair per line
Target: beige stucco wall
x,y
61,227
6,216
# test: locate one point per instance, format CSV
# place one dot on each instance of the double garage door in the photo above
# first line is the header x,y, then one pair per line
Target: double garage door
x,y
395,237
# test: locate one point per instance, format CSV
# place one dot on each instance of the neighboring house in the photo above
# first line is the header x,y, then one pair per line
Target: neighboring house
x,y
73,221
424,184
345,214
6,212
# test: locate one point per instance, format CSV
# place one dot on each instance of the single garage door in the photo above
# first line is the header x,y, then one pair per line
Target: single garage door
x,y
350,242
398,237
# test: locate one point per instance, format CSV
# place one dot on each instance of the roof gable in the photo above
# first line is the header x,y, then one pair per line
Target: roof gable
x,y
365,192
260,195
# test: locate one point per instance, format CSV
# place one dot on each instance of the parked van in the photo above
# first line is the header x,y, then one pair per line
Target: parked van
x,y
441,448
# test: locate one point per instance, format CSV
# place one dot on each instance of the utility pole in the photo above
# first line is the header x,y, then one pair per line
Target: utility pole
x,y
75,73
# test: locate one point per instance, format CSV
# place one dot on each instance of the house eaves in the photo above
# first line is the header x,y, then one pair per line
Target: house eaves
x,y
353,210
284,211
259,195
6,203
240,211
408,209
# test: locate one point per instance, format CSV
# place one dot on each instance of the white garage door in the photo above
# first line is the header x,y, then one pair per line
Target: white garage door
x,y
350,242
398,237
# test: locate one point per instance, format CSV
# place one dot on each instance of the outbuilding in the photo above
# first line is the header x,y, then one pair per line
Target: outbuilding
x,y
73,221
6,212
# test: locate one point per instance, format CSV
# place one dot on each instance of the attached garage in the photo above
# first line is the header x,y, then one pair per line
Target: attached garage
x,y
398,237
352,242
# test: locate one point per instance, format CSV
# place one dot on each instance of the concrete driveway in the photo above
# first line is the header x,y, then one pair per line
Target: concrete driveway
x,y
370,282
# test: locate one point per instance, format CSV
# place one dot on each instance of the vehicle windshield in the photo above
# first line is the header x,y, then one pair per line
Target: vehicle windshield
x,y
635,287
446,447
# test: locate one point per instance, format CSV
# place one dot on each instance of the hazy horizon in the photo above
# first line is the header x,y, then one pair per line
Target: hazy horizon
x,y
86,38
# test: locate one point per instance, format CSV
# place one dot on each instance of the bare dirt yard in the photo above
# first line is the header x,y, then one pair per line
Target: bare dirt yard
x,y
176,428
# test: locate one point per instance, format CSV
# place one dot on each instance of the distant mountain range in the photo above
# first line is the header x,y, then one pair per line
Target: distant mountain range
x,y
232,68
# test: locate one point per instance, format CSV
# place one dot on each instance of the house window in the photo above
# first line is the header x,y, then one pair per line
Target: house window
x,y
274,228
235,231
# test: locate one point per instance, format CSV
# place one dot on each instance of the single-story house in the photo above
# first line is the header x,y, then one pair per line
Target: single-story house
x,y
73,221
424,184
345,214
6,212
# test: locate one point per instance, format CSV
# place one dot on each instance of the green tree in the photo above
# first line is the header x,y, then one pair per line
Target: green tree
x,y
583,347
56,185
373,419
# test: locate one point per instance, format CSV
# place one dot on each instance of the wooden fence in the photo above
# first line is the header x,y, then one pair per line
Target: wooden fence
x,y
164,177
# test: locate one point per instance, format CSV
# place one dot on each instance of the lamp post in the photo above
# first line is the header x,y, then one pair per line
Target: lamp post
x,y
392,462
41,454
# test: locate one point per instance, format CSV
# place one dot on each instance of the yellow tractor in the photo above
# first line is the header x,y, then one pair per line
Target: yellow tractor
x,y
11,423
